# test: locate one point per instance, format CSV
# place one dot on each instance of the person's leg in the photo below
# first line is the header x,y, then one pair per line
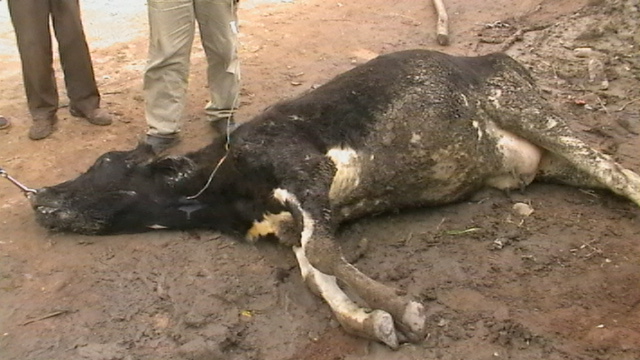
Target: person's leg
x,y
30,20
171,25
218,25
74,55
76,62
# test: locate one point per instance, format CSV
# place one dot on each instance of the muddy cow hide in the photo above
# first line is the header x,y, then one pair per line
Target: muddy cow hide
x,y
407,129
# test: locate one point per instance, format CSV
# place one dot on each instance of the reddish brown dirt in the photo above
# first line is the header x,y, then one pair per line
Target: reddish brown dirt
x,y
562,283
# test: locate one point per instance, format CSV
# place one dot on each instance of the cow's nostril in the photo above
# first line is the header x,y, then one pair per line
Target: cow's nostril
x,y
46,210
33,197
42,197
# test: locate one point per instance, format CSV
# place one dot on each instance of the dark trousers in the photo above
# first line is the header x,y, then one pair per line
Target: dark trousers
x,y
30,20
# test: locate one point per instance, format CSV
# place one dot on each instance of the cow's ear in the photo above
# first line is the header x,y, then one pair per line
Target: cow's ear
x,y
174,168
172,164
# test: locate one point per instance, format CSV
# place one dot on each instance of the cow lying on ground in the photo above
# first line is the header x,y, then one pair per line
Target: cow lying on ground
x,y
408,129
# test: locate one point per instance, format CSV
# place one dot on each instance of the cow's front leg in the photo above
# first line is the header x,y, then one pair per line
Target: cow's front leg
x,y
325,256
409,315
371,324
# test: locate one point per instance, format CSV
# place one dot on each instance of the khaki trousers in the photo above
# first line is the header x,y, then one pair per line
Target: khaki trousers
x,y
166,77
30,20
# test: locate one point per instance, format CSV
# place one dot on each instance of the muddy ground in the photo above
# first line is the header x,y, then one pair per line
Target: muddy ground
x,y
561,283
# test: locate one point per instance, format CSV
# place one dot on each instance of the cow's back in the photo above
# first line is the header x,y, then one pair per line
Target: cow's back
x,y
405,129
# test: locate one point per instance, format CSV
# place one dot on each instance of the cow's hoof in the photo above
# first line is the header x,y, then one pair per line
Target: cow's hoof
x,y
375,325
634,185
413,322
382,328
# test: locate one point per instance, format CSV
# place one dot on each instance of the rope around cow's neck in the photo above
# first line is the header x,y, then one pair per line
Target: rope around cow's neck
x,y
226,152
212,173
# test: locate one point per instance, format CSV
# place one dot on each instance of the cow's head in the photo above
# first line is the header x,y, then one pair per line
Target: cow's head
x,y
127,191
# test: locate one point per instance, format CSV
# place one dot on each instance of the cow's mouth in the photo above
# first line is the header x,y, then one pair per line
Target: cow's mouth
x,y
62,219
45,205
53,216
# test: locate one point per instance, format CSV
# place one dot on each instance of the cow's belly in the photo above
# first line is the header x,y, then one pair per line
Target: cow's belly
x,y
372,182
367,183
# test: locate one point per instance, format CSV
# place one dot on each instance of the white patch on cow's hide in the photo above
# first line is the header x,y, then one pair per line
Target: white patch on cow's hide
x,y
127,192
446,167
520,159
572,142
476,125
287,198
185,171
551,123
415,138
190,208
157,227
464,100
347,176
496,94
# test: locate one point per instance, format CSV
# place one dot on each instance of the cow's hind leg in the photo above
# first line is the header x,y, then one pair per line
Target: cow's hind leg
x,y
371,324
544,128
555,169
598,167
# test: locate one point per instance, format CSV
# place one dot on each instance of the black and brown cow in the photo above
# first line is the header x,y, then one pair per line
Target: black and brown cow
x,y
408,129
